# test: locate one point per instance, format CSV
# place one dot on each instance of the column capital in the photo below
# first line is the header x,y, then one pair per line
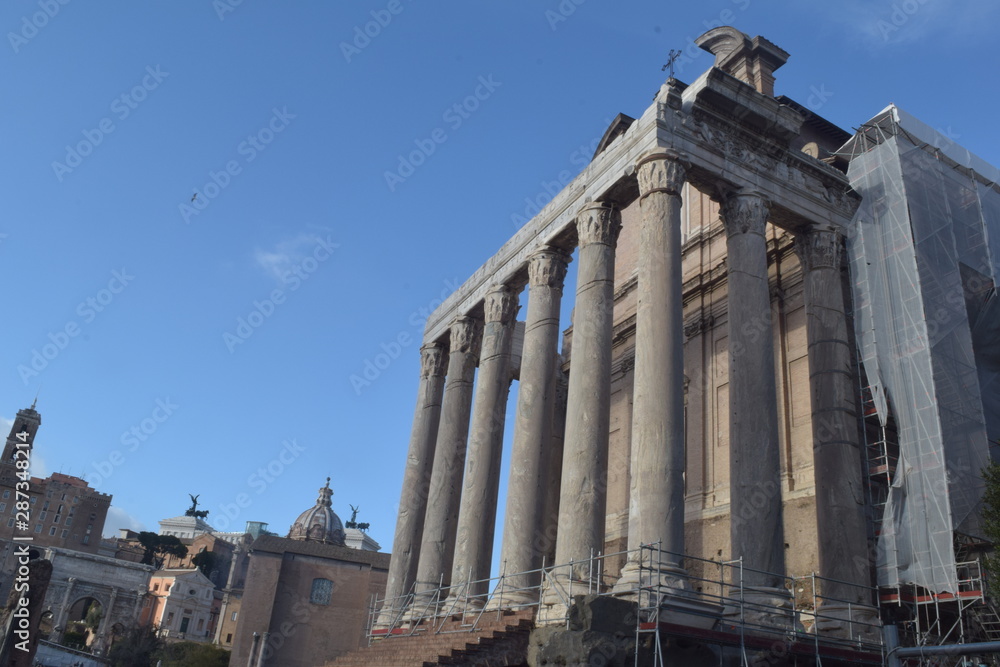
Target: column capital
x,y
598,223
433,361
501,304
547,268
663,171
819,248
744,211
466,335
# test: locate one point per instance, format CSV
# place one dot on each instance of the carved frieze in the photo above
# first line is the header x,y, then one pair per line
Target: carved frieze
x,y
731,143
547,268
628,363
598,223
699,326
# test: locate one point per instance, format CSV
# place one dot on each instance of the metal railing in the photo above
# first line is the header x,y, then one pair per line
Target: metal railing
x,y
715,596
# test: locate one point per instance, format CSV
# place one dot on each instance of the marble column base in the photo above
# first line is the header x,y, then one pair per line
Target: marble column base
x,y
851,622
507,596
665,579
424,605
765,609
462,598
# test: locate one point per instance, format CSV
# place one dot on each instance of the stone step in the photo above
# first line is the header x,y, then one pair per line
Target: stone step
x,y
508,634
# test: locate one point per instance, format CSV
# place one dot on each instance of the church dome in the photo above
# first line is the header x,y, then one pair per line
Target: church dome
x,y
319,523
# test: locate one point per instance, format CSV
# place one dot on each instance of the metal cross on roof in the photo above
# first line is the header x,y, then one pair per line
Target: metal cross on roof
x,y
674,55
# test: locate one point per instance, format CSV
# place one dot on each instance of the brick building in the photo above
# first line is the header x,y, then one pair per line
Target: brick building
x,y
306,596
64,511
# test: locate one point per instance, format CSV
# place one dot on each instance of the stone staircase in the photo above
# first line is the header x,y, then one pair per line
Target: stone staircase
x,y
496,641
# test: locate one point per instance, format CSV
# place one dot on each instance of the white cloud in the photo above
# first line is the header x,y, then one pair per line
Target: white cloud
x,y
38,466
287,255
899,22
119,518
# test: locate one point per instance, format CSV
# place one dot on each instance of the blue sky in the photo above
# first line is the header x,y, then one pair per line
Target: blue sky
x,y
208,346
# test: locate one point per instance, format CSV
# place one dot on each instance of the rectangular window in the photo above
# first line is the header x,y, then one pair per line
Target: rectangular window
x,y
86,539
64,533
10,522
34,499
56,518
52,531
6,494
64,496
234,616
321,591
38,528
42,515
3,507
69,521
229,638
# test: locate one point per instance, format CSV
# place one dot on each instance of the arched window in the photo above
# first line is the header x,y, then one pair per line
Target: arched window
x,y
321,591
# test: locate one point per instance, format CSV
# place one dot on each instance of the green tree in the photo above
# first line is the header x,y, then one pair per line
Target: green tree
x,y
93,618
157,547
205,561
193,654
75,639
136,648
991,526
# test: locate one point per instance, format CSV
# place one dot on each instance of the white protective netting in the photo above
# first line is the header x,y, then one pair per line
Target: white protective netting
x,y
924,265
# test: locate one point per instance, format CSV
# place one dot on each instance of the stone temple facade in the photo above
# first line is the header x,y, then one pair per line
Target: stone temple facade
x,y
707,397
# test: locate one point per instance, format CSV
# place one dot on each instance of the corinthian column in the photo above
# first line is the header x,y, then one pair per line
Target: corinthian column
x,y
754,467
840,498
477,516
583,488
416,481
525,517
441,521
656,506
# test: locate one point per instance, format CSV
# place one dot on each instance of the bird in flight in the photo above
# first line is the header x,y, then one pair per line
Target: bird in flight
x,y
194,196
